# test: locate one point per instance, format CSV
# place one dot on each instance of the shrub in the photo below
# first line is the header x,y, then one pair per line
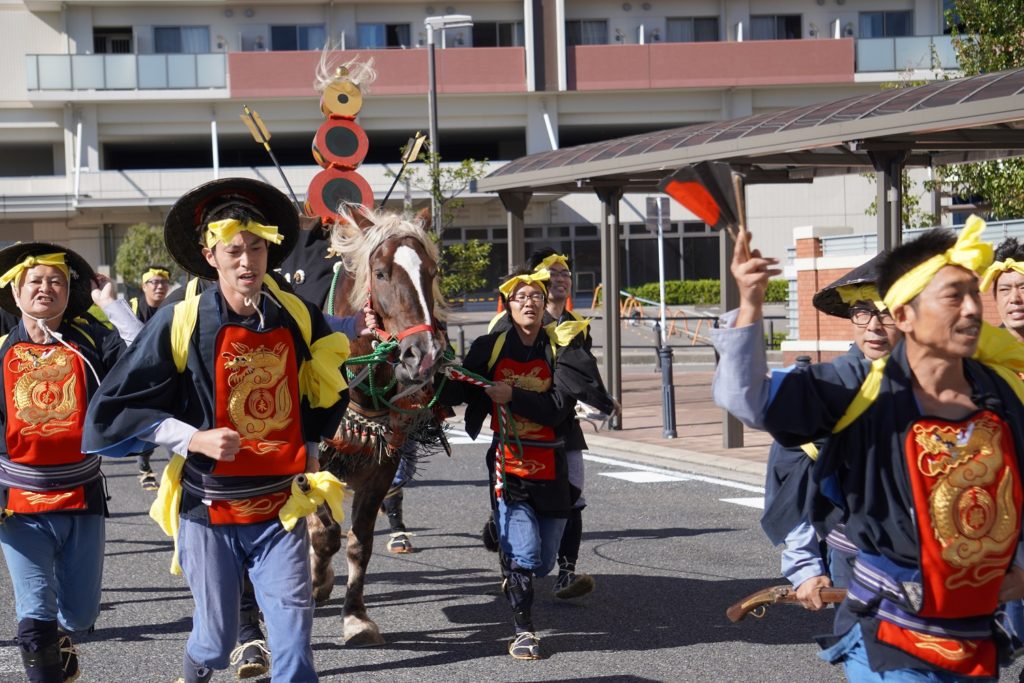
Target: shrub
x,y
697,292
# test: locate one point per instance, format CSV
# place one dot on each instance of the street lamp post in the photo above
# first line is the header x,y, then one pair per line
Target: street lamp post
x,y
432,24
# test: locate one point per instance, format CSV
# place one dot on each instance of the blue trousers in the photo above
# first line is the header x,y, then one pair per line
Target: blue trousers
x,y
56,565
527,538
213,559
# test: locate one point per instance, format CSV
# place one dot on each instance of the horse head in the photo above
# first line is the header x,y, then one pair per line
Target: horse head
x,y
394,263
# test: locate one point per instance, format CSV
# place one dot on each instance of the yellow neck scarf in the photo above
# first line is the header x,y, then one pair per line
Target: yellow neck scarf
x,y
225,231
537,278
56,260
969,252
155,273
865,291
993,272
550,261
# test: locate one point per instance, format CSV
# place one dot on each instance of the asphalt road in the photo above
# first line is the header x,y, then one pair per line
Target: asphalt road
x,y
669,552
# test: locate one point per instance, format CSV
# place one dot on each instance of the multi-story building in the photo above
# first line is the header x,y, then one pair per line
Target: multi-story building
x,y
110,109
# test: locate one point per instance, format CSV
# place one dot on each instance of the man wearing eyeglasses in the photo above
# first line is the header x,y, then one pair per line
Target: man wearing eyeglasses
x,y
156,284
530,409
785,520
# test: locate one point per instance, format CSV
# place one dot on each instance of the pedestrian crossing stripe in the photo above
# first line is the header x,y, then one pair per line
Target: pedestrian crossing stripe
x,y
457,437
641,477
757,502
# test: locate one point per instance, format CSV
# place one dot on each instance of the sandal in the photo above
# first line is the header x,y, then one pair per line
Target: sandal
x,y
525,645
400,542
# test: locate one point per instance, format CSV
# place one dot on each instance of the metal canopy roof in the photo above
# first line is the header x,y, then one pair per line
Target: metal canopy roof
x,y
968,119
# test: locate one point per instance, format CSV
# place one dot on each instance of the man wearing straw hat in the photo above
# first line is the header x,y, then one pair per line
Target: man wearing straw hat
x,y
242,381
925,445
52,504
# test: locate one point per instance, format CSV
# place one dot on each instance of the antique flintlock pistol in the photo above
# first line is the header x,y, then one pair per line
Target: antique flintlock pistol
x,y
758,603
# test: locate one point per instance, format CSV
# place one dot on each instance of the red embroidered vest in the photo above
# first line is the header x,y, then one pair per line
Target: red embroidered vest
x,y
967,498
256,383
46,402
537,462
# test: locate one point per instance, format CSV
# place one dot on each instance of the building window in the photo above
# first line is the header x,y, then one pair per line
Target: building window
x,y
498,34
691,30
383,35
297,37
776,27
886,24
181,39
586,32
112,41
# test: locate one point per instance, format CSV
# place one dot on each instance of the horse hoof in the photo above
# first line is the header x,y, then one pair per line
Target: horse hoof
x,y
362,633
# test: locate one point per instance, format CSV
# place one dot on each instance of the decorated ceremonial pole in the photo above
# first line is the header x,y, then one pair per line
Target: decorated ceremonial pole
x,y
260,134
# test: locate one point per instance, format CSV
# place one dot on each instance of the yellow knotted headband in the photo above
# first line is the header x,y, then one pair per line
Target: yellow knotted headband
x,y
969,252
550,261
993,272
225,231
155,273
56,260
537,278
851,294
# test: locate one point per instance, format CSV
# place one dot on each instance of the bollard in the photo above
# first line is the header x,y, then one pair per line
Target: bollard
x,y
657,346
668,393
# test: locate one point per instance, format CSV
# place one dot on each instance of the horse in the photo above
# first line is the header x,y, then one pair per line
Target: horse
x,y
391,264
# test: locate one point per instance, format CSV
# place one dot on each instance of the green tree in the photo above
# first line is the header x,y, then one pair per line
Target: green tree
x,y
914,214
988,36
143,245
463,263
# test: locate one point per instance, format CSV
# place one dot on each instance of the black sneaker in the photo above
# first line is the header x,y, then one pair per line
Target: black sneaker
x,y
68,659
526,645
252,659
572,585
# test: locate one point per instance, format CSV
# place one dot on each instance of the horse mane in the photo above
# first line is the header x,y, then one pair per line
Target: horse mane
x,y
361,231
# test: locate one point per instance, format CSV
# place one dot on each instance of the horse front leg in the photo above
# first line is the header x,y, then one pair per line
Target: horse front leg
x,y
324,544
359,629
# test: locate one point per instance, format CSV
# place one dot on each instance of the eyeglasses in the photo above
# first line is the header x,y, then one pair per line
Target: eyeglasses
x,y
158,283
861,317
521,299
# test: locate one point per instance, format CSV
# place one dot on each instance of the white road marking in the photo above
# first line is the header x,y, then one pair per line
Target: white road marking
x,y
757,503
676,476
643,477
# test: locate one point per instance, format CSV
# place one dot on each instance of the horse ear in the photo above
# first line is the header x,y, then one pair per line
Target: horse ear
x,y
425,217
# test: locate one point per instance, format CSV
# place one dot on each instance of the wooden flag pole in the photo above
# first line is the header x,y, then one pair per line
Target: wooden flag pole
x,y
741,210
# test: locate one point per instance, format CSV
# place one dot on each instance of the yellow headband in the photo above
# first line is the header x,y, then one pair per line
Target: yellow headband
x,y
993,272
509,285
155,273
550,261
969,252
225,231
56,260
864,291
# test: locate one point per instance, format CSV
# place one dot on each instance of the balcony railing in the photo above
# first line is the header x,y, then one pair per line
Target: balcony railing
x,y
901,54
126,72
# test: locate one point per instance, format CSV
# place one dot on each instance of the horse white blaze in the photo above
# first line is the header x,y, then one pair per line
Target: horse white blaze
x,y
407,258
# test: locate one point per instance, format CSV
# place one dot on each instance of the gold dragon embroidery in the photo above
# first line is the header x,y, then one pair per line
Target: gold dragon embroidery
x,y
259,401
953,650
46,498
526,429
44,394
256,506
974,529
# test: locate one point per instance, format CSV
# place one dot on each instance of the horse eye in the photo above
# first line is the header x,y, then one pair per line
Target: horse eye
x,y
380,275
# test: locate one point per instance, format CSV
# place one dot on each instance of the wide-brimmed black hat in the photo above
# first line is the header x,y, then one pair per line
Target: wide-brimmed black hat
x,y
80,275
186,222
828,300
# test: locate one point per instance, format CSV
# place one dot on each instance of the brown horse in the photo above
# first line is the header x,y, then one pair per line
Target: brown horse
x,y
392,263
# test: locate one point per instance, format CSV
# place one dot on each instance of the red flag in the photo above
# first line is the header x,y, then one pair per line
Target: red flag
x,y
707,190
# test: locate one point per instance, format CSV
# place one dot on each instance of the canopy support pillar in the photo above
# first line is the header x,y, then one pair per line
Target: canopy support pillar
x,y
610,269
